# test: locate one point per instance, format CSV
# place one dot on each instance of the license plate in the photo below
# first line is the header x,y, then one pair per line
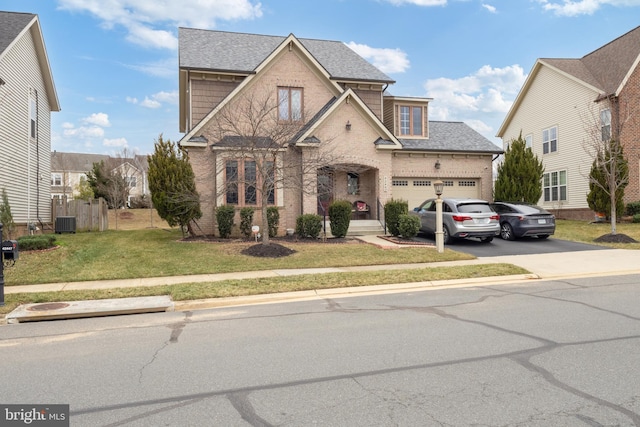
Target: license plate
x,y
542,221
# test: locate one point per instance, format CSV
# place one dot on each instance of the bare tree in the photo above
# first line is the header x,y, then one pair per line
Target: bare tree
x,y
252,126
604,123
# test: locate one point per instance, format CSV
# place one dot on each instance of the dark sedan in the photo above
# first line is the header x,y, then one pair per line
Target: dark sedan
x,y
521,219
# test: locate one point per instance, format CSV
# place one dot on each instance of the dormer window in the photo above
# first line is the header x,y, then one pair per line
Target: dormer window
x,y
289,104
411,121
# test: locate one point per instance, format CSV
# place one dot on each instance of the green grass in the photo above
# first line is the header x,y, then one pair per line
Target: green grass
x,y
586,232
160,252
231,288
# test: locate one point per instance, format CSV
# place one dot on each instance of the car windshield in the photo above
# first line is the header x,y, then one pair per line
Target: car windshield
x,y
474,208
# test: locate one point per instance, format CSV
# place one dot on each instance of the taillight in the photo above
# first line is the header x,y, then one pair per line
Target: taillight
x,y
460,218
496,217
520,218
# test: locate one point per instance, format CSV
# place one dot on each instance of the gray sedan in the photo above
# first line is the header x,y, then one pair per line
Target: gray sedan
x,y
521,219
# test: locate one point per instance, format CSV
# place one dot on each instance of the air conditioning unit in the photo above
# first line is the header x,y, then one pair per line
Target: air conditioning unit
x,y
65,224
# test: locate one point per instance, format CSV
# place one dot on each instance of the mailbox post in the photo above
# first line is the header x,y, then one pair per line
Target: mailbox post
x,y
9,252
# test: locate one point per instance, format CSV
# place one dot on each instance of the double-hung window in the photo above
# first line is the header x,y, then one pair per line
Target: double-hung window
x,y
289,104
605,125
554,186
56,179
411,121
550,140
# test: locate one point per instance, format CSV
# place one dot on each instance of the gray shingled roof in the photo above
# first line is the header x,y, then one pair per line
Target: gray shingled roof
x,y
607,66
451,136
75,162
11,24
243,53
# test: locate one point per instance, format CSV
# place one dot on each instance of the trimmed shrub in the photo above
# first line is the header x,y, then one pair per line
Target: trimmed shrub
x,y
339,217
224,216
246,221
36,242
633,208
392,211
309,226
408,225
273,220
636,218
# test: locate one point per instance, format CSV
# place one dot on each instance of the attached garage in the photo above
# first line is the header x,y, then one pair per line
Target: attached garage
x,y
417,190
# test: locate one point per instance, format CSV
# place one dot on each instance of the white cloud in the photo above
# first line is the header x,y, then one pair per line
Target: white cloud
x,y
490,8
98,119
163,68
150,103
83,132
476,99
583,7
156,100
116,142
152,23
386,60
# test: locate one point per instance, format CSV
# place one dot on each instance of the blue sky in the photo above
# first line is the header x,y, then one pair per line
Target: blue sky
x,y
115,62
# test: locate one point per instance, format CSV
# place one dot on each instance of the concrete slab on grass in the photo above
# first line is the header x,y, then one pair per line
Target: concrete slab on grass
x,y
91,308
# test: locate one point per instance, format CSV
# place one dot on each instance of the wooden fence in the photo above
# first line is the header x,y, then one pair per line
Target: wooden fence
x,y
91,215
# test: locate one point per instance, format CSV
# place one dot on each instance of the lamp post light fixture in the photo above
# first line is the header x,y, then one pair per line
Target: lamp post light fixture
x,y
439,186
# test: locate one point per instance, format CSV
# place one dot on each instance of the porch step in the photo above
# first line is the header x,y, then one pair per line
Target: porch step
x,y
362,228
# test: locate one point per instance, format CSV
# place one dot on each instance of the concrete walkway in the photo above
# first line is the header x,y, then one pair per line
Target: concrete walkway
x,y
543,266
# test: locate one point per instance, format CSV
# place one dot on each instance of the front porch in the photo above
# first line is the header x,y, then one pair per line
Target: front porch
x,y
360,227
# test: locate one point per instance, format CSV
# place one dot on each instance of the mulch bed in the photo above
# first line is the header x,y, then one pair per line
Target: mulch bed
x,y
403,241
275,248
615,238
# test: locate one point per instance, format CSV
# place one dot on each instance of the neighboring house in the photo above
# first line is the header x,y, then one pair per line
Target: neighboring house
x,y
566,103
374,146
68,169
27,98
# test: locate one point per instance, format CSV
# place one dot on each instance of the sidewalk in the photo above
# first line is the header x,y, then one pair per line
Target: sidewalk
x,y
543,266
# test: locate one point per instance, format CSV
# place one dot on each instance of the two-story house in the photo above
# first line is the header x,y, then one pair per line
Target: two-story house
x,y
68,169
27,98
566,105
322,121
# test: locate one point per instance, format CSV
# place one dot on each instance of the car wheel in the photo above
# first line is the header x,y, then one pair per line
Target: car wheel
x,y
506,231
543,236
446,237
486,239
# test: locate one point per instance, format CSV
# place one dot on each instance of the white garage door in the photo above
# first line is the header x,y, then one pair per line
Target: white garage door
x,y
417,190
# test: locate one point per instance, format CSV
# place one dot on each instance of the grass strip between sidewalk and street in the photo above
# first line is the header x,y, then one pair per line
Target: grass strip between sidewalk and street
x,y
245,287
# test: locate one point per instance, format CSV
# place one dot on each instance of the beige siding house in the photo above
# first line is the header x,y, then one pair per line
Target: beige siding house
x,y
27,98
68,169
559,112
336,132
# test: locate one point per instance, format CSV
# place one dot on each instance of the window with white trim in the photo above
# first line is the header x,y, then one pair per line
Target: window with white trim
x,y
56,179
554,186
421,183
550,140
400,183
528,141
131,181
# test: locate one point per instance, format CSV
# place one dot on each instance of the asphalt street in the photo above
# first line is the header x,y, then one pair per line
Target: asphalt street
x,y
536,353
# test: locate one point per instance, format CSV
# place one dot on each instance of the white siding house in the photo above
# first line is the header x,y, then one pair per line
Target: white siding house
x,y
558,110
27,98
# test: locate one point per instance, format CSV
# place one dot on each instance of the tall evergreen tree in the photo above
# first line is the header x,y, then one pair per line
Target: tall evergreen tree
x,y
172,185
6,217
519,175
